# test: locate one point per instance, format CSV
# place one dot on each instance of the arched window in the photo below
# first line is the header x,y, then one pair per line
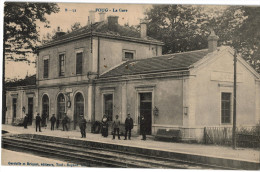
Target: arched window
x,y
60,106
78,108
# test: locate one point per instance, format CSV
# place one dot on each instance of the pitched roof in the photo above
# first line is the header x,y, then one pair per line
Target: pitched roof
x,y
169,62
31,80
102,28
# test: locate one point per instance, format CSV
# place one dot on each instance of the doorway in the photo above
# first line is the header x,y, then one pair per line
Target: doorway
x,y
79,108
60,109
146,110
30,110
45,109
14,109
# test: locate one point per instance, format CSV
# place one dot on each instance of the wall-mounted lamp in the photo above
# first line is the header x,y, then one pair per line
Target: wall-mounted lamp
x,y
186,110
155,111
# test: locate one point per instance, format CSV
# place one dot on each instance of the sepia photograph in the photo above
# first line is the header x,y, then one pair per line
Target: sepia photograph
x,y
116,85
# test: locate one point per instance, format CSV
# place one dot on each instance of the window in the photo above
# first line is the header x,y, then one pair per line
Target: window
x,y
46,68
79,63
108,106
128,54
61,64
226,108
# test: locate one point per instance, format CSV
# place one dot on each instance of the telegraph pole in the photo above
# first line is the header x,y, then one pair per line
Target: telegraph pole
x,y
234,102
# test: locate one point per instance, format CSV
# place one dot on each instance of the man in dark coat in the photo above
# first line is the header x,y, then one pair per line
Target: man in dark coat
x,y
25,121
128,126
53,120
38,122
64,122
143,128
83,126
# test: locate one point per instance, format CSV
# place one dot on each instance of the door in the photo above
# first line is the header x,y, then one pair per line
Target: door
x,y
146,110
79,108
45,108
61,107
30,110
108,106
14,109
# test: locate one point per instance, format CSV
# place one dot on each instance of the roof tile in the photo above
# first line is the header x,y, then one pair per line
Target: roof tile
x,y
174,62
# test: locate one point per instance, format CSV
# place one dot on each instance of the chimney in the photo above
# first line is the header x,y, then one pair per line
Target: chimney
x,y
101,16
91,17
212,41
143,25
59,33
112,23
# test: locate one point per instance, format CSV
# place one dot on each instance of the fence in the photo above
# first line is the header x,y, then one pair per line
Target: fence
x,y
246,136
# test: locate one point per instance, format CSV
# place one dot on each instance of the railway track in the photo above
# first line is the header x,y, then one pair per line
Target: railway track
x,y
89,156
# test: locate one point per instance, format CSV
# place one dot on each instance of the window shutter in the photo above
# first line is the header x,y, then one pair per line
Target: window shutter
x,y
79,63
46,68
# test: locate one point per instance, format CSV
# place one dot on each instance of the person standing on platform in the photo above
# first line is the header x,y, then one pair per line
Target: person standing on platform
x,y
104,124
83,126
116,125
143,128
53,120
25,121
64,122
128,126
38,122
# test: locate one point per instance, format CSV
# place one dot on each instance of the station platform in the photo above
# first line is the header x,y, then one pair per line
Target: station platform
x,y
199,151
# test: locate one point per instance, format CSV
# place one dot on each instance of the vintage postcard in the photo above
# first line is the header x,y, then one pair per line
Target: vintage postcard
x,y
170,86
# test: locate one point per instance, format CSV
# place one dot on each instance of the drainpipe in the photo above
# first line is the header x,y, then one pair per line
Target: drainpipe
x,y
98,57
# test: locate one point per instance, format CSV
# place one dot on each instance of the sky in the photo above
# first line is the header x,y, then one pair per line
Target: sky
x,y
79,12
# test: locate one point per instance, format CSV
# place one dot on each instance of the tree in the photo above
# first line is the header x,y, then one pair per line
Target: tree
x,y
185,28
75,26
178,26
239,27
20,29
20,32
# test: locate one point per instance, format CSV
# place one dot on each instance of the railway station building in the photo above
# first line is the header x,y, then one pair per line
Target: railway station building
x,y
108,69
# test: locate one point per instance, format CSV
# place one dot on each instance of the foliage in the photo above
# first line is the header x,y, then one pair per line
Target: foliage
x,y
20,29
239,27
179,26
185,28
50,36
75,26
250,131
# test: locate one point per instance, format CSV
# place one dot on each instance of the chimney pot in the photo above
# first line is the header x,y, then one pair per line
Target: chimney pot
x,y
101,16
91,18
143,24
212,42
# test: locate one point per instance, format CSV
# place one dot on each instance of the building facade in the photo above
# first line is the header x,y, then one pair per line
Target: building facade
x,y
108,69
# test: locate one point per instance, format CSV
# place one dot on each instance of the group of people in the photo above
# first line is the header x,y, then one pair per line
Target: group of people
x,y
39,124
83,125
128,127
